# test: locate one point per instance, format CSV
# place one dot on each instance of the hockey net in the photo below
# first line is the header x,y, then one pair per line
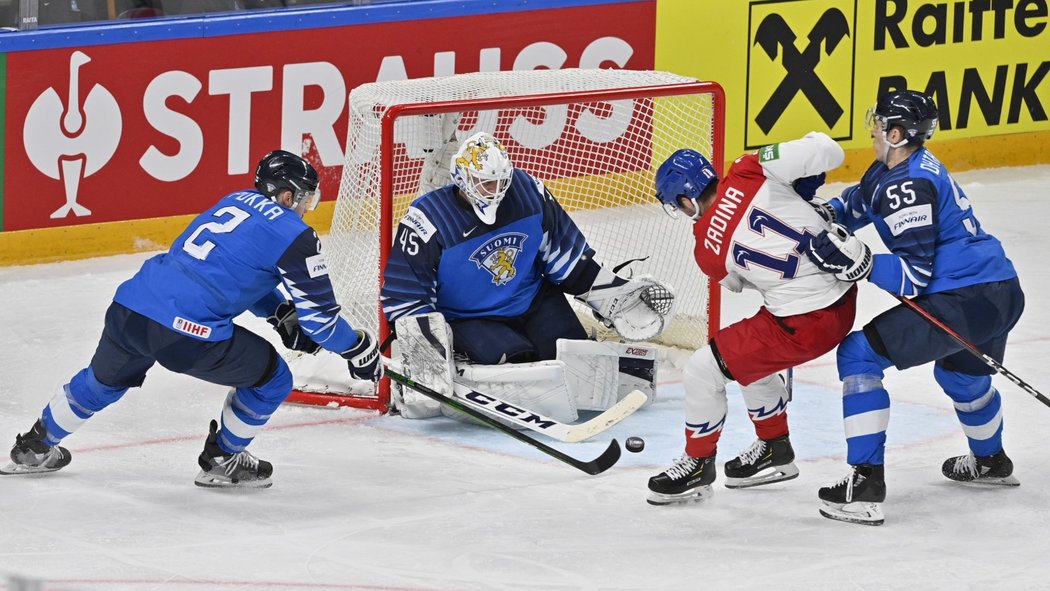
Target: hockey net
x,y
594,137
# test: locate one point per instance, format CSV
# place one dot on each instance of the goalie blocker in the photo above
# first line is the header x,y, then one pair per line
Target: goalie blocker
x,y
587,375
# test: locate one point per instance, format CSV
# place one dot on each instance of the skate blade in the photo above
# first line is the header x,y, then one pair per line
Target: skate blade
x,y
862,513
212,481
992,482
767,476
695,495
13,468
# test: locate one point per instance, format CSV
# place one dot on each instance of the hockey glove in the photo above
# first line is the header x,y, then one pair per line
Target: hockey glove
x,y
807,186
841,253
286,322
363,358
823,209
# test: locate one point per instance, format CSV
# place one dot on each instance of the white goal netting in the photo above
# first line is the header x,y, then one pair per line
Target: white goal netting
x,y
594,137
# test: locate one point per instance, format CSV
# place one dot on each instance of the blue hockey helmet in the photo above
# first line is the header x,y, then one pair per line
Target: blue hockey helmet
x,y
686,172
281,171
913,112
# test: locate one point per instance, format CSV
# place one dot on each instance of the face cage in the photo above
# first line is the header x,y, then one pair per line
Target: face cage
x,y
483,196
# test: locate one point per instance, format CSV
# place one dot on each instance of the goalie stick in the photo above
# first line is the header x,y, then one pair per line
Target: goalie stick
x,y
573,433
606,460
569,433
992,363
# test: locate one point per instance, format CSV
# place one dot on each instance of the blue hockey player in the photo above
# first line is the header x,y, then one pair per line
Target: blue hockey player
x,y
940,256
493,255
178,311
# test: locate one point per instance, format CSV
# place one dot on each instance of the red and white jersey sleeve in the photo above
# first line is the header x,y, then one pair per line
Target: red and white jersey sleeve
x,y
756,232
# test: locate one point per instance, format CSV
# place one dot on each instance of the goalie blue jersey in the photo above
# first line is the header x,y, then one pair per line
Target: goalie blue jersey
x,y
924,218
230,259
445,259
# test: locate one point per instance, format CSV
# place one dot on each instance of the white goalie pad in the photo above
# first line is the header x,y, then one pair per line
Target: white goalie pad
x,y
540,387
600,374
424,351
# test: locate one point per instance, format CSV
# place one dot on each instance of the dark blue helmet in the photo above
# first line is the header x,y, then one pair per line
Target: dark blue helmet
x,y
913,112
687,172
281,171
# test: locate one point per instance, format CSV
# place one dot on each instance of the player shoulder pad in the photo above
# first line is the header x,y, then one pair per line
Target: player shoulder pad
x,y
747,166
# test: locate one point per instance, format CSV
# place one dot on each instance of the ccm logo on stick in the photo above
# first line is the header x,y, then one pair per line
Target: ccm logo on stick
x,y
510,410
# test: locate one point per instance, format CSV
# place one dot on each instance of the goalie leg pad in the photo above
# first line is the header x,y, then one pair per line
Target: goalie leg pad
x,y
539,387
600,374
424,350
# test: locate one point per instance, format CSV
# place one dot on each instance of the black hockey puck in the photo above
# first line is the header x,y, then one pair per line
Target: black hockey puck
x,y
634,444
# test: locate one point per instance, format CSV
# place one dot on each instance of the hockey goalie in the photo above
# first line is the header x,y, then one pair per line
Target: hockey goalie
x,y
477,284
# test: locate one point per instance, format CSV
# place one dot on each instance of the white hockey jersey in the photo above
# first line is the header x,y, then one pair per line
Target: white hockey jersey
x,y
756,232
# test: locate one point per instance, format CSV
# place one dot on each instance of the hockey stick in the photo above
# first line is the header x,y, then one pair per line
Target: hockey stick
x,y
606,460
569,433
992,363
541,424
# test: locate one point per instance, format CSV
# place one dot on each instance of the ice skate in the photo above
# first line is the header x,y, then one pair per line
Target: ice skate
x,y
765,462
32,455
994,470
687,481
225,470
857,498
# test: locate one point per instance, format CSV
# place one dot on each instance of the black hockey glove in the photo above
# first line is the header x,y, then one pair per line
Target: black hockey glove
x,y
363,358
840,253
286,322
807,186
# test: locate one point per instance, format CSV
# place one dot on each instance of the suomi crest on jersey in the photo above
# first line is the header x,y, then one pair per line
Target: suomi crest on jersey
x,y
498,254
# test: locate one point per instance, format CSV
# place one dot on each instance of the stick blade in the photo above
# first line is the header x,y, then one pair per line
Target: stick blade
x,y
618,412
607,460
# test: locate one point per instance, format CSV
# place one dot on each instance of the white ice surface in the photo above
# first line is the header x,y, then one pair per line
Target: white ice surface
x,y
368,502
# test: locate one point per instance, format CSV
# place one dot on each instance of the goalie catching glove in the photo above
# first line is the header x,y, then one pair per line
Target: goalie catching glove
x,y
286,322
363,358
639,309
840,253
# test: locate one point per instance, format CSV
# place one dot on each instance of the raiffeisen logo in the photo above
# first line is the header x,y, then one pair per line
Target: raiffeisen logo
x,y
72,141
800,70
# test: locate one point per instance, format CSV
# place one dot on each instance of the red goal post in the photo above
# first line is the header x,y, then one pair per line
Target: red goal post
x,y
594,137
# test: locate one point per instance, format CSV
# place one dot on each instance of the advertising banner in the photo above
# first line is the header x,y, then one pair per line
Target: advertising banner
x,y
158,128
791,66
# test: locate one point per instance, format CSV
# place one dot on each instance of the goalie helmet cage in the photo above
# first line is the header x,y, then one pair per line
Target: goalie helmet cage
x,y
593,137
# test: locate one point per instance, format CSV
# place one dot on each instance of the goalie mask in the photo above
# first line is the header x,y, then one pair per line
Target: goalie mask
x,y
685,174
281,171
482,171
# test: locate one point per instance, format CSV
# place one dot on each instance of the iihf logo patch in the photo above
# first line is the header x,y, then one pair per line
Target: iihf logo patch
x,y
497,256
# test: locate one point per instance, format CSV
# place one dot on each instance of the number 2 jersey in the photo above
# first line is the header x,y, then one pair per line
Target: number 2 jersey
x,y
756,231
445,259
926,221
230,259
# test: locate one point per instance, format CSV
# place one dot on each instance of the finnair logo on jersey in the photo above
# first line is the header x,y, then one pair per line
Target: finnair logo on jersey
x,y
497,256
417,220
316,266
191,328
910,217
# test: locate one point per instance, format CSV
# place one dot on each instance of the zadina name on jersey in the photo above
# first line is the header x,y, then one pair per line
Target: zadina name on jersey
x,y
756,231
